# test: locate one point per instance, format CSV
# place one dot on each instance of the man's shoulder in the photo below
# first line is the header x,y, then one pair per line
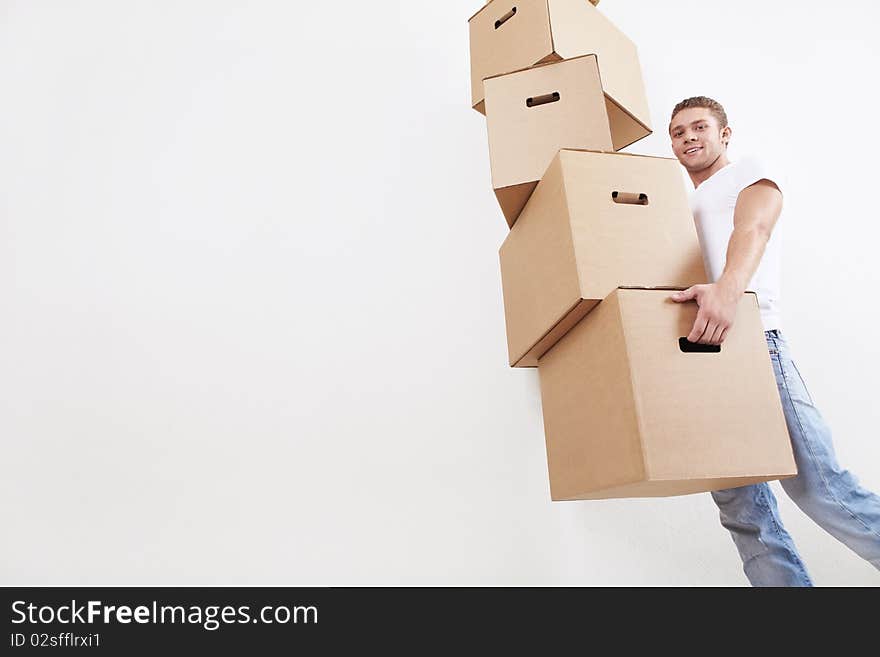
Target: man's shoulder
x,y
751,163
752,168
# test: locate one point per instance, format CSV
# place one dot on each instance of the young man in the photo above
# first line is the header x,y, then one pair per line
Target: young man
x,y
736,206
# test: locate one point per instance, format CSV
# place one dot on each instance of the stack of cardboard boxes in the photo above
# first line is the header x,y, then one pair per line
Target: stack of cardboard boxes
x,y
597,239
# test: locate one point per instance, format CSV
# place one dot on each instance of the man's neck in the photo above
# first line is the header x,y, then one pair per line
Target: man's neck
x,y
698,177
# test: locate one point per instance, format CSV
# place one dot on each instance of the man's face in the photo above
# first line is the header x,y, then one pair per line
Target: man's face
x,y
697,139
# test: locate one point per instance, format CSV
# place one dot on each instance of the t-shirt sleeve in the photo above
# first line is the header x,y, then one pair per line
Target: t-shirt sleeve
x,y
753,169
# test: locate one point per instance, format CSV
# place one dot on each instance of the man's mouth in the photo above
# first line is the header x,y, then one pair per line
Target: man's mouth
x,y
693,150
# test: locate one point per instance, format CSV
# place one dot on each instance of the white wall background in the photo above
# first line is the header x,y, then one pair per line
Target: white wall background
x,y
251,324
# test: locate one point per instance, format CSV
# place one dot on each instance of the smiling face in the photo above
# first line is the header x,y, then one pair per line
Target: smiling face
x,y
698,141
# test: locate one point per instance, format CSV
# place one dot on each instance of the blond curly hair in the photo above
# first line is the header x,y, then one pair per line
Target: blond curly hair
x,y
705,102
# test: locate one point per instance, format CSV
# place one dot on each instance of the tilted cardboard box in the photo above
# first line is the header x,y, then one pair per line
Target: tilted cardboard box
x,y
532,113
507,36
596,221
593,2
627,413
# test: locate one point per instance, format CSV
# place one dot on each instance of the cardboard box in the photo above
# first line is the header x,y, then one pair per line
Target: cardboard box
x,y
507,36
627,413
575,242
593,2
533,113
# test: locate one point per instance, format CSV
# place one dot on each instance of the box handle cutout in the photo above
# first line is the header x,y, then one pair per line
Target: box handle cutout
x,y
689,347
629,198
542,100
501,21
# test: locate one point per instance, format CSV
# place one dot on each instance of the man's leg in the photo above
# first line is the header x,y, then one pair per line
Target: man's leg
x,y
827,493
767,550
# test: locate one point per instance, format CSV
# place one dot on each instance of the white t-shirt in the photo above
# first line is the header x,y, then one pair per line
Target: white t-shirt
x,y
713,203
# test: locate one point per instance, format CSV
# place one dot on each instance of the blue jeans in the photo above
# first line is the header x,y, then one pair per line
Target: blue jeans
x,y
827,493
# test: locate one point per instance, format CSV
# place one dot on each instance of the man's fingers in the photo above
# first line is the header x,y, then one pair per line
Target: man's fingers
x,y
684,295
706,338
698,329
723,335
715,338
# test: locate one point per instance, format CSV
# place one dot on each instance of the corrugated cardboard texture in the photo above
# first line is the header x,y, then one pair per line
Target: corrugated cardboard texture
x,y
700,421
548,30
590,423
573,245
523,140
704,414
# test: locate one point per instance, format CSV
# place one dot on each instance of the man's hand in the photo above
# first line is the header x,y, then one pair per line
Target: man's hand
x,y
717,304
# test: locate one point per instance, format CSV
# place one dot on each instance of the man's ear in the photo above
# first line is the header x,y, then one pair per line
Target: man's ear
x,y
726,134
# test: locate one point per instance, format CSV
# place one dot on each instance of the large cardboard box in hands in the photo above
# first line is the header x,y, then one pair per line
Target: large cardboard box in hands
x,y
506,36
630,411
532,113
595,222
